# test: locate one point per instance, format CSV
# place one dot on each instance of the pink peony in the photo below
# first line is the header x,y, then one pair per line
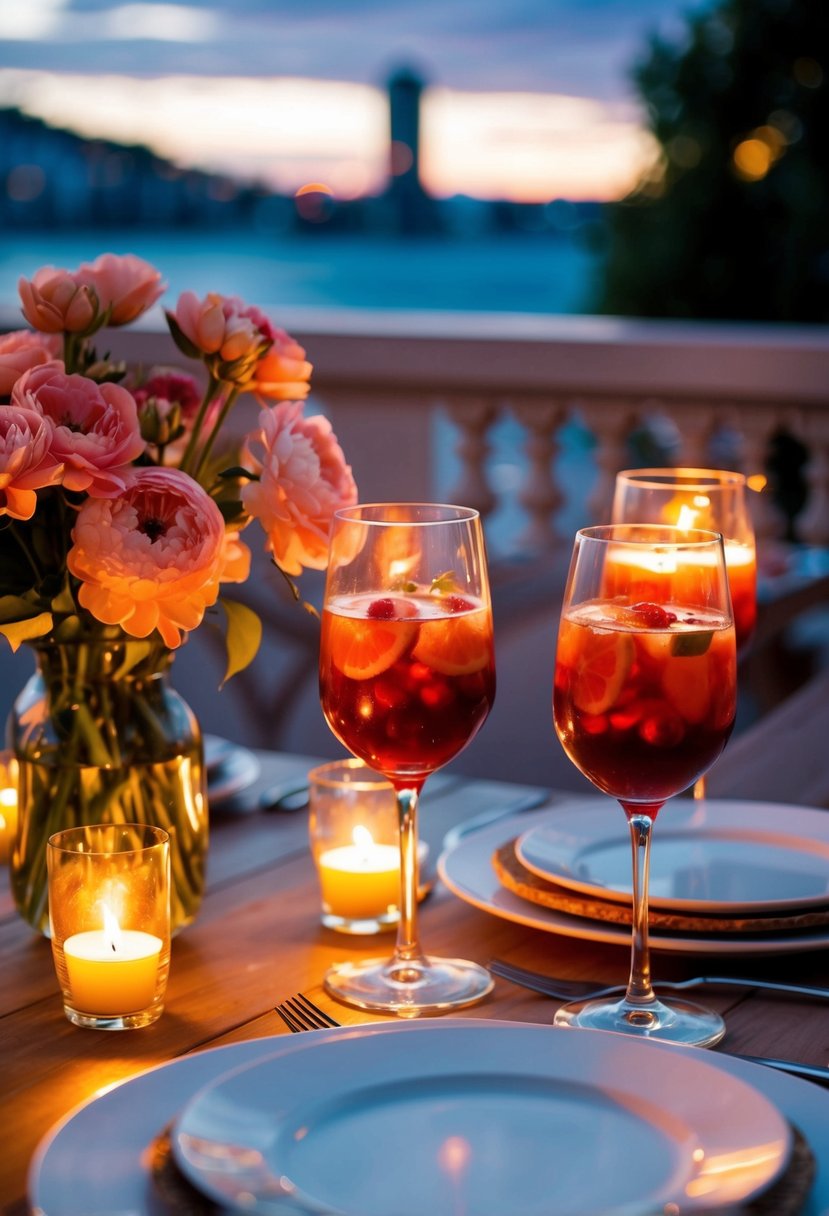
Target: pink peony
x,y
26,464
95,426
126,284
231,336
283,374
151,559
22,349
55,300
303,480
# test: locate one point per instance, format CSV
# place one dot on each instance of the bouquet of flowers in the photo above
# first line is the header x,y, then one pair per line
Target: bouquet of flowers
x,y
117,505
122,507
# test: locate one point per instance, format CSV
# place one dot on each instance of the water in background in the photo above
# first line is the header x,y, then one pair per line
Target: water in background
x,y
549,273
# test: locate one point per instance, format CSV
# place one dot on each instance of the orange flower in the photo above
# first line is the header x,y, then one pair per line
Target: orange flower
x,y
95,432
22,349
282,374
151,559
125,284
303,480
55,301
26,464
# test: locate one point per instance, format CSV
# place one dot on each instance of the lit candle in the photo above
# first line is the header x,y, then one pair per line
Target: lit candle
x,y
360,881
112,970
8,803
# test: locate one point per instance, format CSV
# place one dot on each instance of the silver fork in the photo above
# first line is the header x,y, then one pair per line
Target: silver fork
x,y
298,1014
568,990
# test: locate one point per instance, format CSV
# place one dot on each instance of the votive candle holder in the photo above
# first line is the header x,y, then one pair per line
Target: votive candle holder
x,y
109,917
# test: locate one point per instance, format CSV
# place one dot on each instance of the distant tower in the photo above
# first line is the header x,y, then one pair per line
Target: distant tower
x,y
412,206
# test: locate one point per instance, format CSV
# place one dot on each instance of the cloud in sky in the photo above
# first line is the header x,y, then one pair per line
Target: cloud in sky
x,y
581,48
528,98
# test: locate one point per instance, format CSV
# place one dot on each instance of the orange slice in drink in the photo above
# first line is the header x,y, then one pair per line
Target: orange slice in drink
x,y
455,645
687,681
363,648
600,662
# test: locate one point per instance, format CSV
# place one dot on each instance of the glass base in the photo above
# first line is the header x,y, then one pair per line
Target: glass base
x,y
114,1021
409,989
672,1021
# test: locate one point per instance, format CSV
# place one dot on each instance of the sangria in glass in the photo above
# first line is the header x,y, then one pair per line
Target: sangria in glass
x,y
407,678
644,701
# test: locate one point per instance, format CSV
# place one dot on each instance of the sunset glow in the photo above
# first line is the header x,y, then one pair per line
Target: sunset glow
x,y
287,132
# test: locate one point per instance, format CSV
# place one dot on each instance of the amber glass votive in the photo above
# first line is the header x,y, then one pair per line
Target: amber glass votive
x,y
8,803
109,916
355,842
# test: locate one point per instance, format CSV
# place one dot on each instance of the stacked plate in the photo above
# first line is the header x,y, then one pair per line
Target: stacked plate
x,y
230,770
445,1117
727,876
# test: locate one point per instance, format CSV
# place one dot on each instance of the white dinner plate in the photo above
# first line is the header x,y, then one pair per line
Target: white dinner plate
x,y
94,1162
715,855
480,1118
467,871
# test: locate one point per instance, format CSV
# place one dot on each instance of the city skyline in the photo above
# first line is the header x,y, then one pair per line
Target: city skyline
x,y
528,100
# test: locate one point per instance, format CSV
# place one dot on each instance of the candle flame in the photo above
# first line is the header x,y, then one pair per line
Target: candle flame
x,y
362,837
757,482
687,516
112,929
8,797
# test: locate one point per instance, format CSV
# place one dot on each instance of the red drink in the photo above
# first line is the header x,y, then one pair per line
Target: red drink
x,y
406,681
645,695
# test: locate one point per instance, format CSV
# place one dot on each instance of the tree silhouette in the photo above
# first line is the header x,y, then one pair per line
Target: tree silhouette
x,y
732,222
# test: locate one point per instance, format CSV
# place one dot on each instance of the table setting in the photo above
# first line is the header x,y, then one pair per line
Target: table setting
x,y
150,1064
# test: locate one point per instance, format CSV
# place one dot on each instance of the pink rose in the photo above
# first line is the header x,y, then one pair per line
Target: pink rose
x,y
230,336
26,464
22,349
168,405
304,479
151,559
126,284
55,301
283,373
95,426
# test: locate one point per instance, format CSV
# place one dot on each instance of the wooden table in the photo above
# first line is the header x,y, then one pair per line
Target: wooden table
x,y
258,939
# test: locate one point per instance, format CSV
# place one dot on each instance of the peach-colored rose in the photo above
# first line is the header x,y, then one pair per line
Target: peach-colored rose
x,y
235,559
95,426
283,374
26,464
126,284
55,301
22,349
230,335
151,559
303,480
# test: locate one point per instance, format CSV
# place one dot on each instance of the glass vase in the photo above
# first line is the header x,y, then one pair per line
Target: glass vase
x,y
100,736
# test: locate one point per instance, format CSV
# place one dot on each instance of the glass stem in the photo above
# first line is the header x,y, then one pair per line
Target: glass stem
x,y
407,949
699,789
639,990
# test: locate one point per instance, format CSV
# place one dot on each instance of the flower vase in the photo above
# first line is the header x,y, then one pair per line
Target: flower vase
x,y
101,737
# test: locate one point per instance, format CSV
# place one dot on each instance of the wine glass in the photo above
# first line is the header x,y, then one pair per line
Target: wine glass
x,y
699,498
407,678
644,701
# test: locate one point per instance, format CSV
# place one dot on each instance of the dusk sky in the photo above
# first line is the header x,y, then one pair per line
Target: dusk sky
x,y
526,98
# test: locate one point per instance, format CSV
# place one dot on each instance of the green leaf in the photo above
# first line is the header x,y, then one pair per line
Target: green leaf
x,y
237,472
180,338
244,634
22,631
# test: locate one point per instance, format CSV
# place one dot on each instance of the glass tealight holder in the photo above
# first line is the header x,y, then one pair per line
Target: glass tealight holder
x,y
355,843
109,916
8,803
